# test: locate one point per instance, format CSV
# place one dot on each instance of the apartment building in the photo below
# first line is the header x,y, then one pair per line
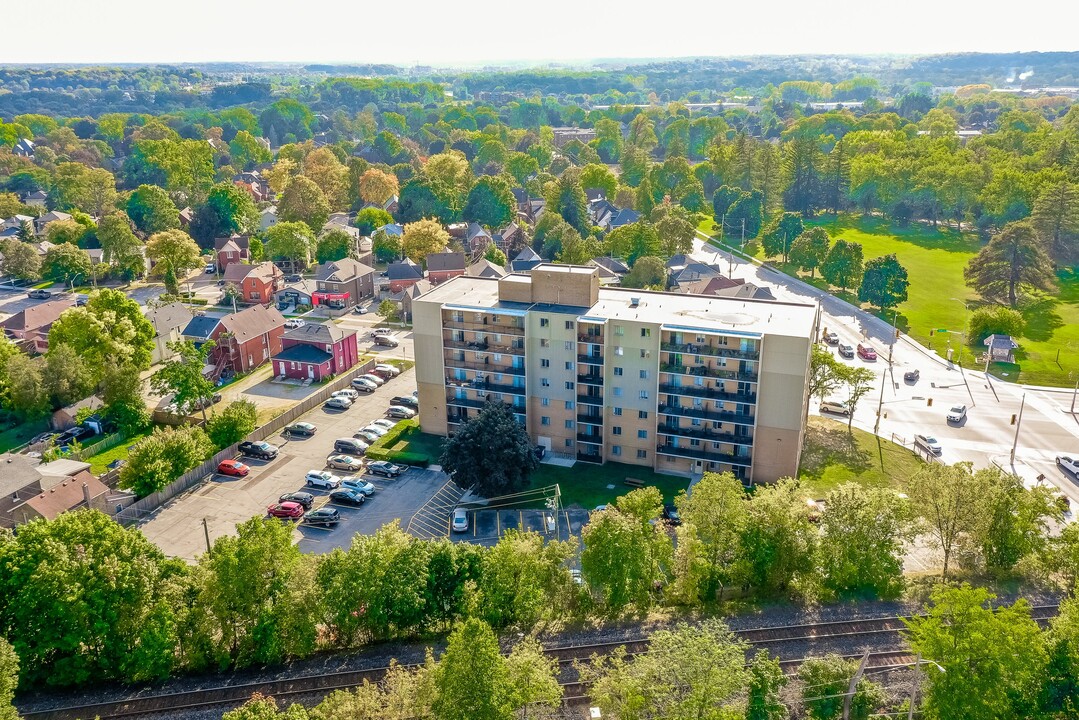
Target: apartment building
x,y
678,383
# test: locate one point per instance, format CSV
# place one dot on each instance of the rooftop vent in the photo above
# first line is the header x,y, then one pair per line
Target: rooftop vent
x,y
634,301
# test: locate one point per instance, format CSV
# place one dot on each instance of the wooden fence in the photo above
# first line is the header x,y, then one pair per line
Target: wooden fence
x,y
146,506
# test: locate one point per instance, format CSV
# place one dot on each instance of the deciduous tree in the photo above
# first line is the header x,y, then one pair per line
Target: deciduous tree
x,y
780,235
151,209
827,679
648,273
20,259
334,245
370,219
65,263
174,254
810,248
119,246
490,203
157,460
423,237
950,501
884,282
238,419
110,330
778,541
842,265
491,453
291,241
377,187
303,201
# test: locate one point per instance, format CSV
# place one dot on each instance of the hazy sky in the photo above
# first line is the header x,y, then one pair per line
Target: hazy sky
x,y
475,31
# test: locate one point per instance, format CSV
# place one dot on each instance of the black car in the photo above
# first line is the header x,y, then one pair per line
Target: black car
x,y
76,433
912,375
408,401
305,499
293,278
386,469
671,515
260,449
323,517
347,497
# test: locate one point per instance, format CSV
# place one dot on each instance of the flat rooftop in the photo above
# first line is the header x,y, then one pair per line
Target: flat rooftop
x,y
674,310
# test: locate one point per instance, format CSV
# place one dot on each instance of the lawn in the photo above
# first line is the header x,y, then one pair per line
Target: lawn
x,y
832,456
939,299
421,443
21,434
99,464
585,485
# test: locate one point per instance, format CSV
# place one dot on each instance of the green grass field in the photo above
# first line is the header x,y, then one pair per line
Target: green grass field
x,y
20,434
832,456
585,485
939,299
99,464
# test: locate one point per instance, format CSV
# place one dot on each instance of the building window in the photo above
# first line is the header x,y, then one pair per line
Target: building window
x,y
618,392
545,420
544,342
545,362
696,422
545,401
618,372
618,411
544,322
642,434
569,424
642,454
569,324
644,374
645,353
642,414
569,365
569,385
619,351
616,430
646,332
643,395
569,345
616,450
569,443
619,330
569,404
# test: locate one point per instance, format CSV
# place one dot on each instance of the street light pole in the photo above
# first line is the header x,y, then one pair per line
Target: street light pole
x,y
1018,425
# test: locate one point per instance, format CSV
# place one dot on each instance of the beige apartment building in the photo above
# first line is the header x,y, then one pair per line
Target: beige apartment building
x,y
682,384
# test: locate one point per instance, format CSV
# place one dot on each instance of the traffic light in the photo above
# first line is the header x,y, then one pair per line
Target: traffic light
x,y
1013,420
931,333
929,402
897,333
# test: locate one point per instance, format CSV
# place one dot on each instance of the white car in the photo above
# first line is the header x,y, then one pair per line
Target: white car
x,y
460,520
295,323
358,485
387,369
376,429
345,462
396,411
928,442
364,385
338,401
322,479
347,393
383,423
366,436
378,381
1069,464
957,414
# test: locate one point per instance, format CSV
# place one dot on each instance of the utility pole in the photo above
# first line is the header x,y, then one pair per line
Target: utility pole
x,y
884,380
206,534
853,685
1074,393
1018,425
914,686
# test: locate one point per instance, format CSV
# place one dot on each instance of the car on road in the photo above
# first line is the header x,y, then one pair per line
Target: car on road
x,y
350,446
305,499
385,341
846,351
233,467
401,412
460,520
381,331
408,401
1068,463
286,510
360,310
386,369
295,323
81,300
293,278
39,294
385,468
371,377
210,269
259,449
338,403
671,514
364,385
358,485
322,479
347,392
912,376
928,443
835,408
866,352
957,414
384,423
323,517
831,337
366,435
344,462
301,428
347,497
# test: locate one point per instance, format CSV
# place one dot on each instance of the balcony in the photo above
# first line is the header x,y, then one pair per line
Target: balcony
x,y
454,418
700,454
479,404
486,327
705,392
486,386
590,400
485,367
590,379
693,349
590,359
485,347
717,415
592,420
704,434
590,438
705,371
590,339
590,457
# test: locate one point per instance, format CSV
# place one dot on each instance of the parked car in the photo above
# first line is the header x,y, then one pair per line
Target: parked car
x,y
912,376
358,485
81,300
371,377
383,332
671,514
286,510
233,467
384,423
460,520
360,310
205,402
72,435
957,414
376,429
385,468
338,403
210,269
301,428
295,323
928,443
1068,463
323,517
831,337
39,294
347,497
293,278
846,351
350,446
344,462
835,408
43,437
364,385
385,341
366,436
322,479
258,449
305,499
387,370
347,392
539,451
866,352
400,412
408,401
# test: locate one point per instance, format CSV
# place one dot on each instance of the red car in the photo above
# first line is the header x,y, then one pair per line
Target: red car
x,y
286,511
233,467
866,352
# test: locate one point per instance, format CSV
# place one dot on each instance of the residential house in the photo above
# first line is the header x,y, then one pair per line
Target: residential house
x,y
611,269
200,329
563,135
97,256
691,273
390,205
256,185
15,223
409,295
23,148
169,322
342,283
70,493
42,247
508,237
476,241
31,324
248,338
403,274
234,248
257,283
316,352
19,481
722,286
486,269
38,198
392,229
267,218
186,216
66,417
525,261
445,265
529,208
295,293
51,216
29,491
606,277
607,216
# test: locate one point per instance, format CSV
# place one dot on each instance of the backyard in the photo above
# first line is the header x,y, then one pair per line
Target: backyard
x,y
832,456
939,299
587,486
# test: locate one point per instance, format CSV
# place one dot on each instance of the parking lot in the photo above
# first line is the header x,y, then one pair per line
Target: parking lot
x,y
486,526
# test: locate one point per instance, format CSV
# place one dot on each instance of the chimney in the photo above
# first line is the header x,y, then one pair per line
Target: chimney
x,y
86,494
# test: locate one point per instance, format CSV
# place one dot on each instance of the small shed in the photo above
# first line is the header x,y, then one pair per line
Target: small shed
x,y
1000,348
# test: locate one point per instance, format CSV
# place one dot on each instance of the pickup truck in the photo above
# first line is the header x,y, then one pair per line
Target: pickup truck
x,y
258,449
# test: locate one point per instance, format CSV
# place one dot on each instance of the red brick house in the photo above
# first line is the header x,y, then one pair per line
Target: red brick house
x,y
316,352
403,274
444,266
31,325
257,283
243,340
235,249
343,282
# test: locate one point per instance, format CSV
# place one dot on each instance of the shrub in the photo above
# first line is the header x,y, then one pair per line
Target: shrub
x,y
995,319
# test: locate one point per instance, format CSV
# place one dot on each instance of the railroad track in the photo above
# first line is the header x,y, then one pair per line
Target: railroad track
x,y
565,655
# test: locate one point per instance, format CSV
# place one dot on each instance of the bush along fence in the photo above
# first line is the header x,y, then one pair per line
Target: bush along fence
x,y
143,507
382,449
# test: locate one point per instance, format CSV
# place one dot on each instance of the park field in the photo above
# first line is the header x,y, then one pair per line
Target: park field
x,y
939,299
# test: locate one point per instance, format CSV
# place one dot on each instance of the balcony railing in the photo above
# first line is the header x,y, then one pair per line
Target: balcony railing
x,y
694,349
487,327
590,379
595,420
717,415
486,386
471,403
590,339
590,359
484,367
484,347
705,371
590,457
706,392
590,438
590,399
703,434
700,454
